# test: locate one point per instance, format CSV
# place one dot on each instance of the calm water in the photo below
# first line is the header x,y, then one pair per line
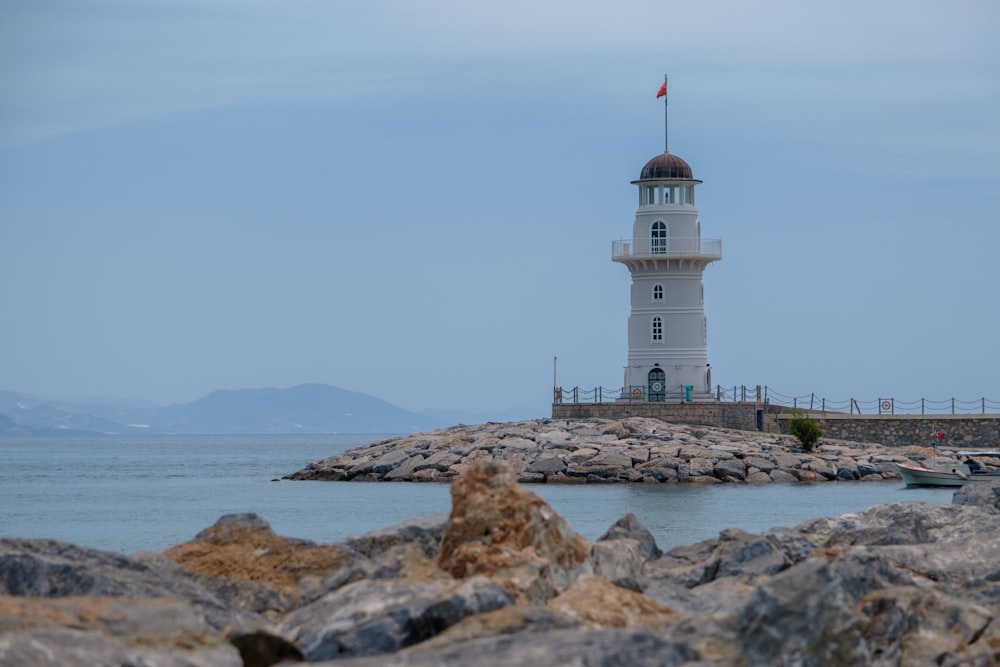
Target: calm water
x,y
147,493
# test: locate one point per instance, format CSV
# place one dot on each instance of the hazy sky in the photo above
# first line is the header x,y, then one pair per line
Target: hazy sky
x,y
417,200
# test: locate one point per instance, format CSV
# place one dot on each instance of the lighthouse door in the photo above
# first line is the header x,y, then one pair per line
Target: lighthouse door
x,y
657,385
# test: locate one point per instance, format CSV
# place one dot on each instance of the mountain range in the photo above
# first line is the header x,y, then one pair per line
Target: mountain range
x,y
306,408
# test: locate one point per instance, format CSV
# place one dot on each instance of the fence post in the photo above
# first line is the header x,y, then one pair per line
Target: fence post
x,y
852,405
921,406
812,399
983,399
952,405
600,395
576,394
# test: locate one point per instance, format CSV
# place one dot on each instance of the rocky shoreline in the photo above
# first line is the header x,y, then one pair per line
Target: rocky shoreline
x,y
610,451
505,581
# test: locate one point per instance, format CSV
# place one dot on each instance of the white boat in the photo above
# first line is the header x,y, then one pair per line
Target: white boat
x,y
950,473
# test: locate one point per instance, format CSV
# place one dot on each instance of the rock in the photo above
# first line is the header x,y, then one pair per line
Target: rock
x,y
601,604
629,527
259,648
243,548
547,465
109,631
620,554
512,619
404,470
731,468
761,463
980,494
782,624
373,617
53,569
924,627
778,475
635,647
500,529
425,532
735,553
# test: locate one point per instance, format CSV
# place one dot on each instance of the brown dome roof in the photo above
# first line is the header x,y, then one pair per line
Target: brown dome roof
x,y
666,165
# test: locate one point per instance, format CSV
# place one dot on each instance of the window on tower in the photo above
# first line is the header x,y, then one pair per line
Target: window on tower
x,y
658,238
657,328
650,194
657,292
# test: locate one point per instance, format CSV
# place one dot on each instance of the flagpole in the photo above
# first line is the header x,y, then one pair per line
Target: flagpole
x,y
666,126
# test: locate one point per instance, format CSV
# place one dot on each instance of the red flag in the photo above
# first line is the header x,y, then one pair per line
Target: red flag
x,y
662,92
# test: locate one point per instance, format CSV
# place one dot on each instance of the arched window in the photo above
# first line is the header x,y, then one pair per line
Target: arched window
x,y
658,238
657,328
657,292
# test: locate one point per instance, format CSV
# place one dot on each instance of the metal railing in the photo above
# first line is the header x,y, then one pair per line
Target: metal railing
x,y
766,395
668,247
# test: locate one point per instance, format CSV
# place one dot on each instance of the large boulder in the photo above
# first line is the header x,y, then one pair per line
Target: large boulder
x,y
612,647
53,569
499,529
980,494
372,617
599,603
63,631
620,554
241,558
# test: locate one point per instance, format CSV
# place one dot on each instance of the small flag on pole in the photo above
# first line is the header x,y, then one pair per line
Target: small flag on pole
x,y
662,92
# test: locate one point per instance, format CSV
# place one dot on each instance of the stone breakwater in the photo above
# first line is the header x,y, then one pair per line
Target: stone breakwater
x,y
504,581
601,451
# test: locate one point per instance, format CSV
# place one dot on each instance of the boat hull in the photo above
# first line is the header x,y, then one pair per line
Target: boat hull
x,y
942,476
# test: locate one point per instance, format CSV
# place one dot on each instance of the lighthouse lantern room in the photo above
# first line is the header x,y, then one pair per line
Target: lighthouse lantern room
x,y
667,328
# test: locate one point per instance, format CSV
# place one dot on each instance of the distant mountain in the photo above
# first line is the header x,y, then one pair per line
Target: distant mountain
x,y
7,425
33,414
307,408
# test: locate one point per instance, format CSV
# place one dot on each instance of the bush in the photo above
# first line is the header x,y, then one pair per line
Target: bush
x,y
806,429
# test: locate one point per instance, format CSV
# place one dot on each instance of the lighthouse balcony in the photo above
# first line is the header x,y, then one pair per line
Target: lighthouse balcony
x,y
624,250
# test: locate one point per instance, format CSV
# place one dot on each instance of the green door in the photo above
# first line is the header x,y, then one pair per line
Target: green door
x,y
657,385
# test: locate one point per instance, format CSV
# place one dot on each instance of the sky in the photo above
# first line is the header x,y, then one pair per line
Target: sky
x,y
417,200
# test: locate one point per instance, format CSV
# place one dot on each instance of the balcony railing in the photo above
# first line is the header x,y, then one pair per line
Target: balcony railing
x,y
649,248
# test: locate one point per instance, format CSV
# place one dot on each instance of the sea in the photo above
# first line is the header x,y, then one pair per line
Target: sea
x,y
130,494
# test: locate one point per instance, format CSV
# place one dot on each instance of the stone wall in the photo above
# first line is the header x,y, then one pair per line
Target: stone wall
x,y
974,431
722,414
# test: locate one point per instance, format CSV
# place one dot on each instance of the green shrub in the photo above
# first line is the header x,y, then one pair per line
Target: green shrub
x,y
806,429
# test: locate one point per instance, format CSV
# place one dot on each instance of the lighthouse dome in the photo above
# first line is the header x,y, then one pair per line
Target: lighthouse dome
x,y
666,165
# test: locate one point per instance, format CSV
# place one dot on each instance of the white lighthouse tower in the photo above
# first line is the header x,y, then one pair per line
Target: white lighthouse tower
x,y
667,329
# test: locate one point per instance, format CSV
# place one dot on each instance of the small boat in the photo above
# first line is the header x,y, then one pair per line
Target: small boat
x,y
948,474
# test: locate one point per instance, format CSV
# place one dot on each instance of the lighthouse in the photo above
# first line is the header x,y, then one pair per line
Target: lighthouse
x,y
667,257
